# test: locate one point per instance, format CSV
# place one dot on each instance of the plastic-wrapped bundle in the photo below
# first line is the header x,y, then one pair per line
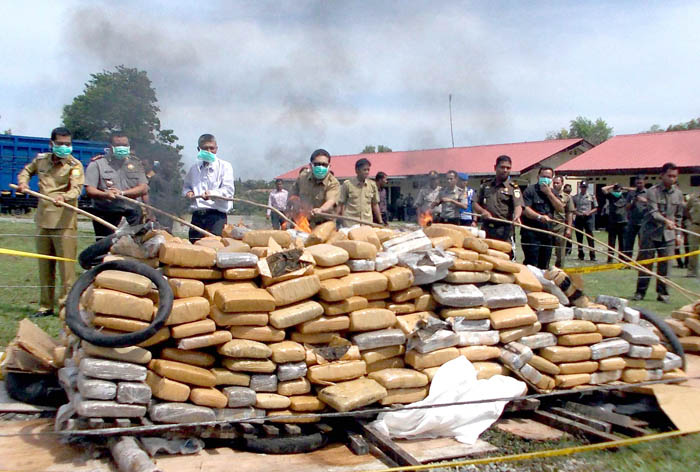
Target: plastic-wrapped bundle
x,y
539,340
672,361
563,313
263,382
385,260
597,315
239,397
655,374
106,409
360,265
94,389
478,338
133,392
380,338
549,286
631,315
231,260
609,348
598,378
427,266
111,370
460,296
640,352
461,324
614,303
174,413
504,296
531,374
237,232
291,371
636,334
425,343
515,355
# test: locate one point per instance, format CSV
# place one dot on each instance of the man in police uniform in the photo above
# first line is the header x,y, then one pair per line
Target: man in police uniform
x,y
427,195
499,198
692,222
636,209
540,204
566,216
586,205
316,187
617,216
452,198
61,177
117,172
359,195
658,234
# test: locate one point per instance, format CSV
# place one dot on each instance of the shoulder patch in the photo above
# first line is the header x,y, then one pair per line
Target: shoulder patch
x,y
97,157
43,155
75,172
516,193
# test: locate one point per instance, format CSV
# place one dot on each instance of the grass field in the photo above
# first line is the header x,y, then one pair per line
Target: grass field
x,y
19,299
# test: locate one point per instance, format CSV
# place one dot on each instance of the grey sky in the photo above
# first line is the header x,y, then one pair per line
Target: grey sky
x,y
275,80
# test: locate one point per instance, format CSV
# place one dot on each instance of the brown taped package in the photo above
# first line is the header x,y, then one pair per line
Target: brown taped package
x,y
635,375
478,245
441,242
542,301
374,355
161,335
464,277
408,294
287,351
294,290
294,387
486,370
167,389
266,334
187,255
306,403
351,395
371,319
358,249
261,238
584,367
345,306
408,323
231,300
192,273
321,233
243,273
658,351
365,283
527,280
398,278
510,335
376,304
571,380
133,354
559,354
391,363
324,325
456,236
501,278
404,395
690,343
571,327
498,254
225,377
500,264
185,288
196,358
328,255
182,372
210,397
401,308
678,327
187,310
245,348
512,317
111,302
271,401
581,339
336,371
399,378
258,366
204,340
335,272
480,353
432,359
295,314
210,289
464,254
209,241
334,290
611,363
365,233
313,338
425,302
119,324
609,330
193,329
121,281
478,313
238,319
543,365
498,245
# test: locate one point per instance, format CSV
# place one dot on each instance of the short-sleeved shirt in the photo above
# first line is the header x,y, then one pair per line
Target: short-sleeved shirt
x,y
693,208
663,204
450,210
617,208
500,199
426,196
585,202
358,197
314,192
64,178
538,201
383,206
568,207
637,209
107,172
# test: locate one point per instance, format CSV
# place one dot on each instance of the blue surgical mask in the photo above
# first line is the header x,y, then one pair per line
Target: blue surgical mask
x,y
544,181
616,194
121,152
62,151
206,156
319,172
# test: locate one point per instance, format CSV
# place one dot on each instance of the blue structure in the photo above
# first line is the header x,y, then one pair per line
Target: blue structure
x,y
17,151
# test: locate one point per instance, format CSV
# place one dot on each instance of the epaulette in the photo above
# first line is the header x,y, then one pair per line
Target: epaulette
x,y
97,157
42,155
514,184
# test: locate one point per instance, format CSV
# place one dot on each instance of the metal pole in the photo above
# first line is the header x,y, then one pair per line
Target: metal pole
x,y
451,132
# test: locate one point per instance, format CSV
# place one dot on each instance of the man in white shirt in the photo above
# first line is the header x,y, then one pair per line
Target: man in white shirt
x,y
277,200
209,176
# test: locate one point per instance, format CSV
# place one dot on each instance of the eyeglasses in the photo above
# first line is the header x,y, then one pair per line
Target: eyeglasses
x,y
321,164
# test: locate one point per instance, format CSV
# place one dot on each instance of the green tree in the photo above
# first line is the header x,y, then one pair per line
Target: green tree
x,y
7,132
369,149
692,124
125,100
593,132
382,148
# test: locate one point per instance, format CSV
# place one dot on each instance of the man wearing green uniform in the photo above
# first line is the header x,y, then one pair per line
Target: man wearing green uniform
x,y
565,216
359,196
317,188
693,224
452,198
61,177
499,198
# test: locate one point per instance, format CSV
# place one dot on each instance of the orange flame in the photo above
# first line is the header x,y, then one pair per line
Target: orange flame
x,y
425,218
297,212
302,223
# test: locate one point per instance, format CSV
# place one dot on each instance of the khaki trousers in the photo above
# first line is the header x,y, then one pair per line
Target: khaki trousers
x,y
61,243
693,245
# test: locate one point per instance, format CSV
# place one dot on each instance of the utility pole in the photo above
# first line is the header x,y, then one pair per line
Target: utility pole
x,y
451,132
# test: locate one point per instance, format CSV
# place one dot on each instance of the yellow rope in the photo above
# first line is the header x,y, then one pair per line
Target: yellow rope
x,y
12,252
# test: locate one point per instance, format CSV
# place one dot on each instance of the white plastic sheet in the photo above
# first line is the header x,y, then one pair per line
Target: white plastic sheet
x,y
455,381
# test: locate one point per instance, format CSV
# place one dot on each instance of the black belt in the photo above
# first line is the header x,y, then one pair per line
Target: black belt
x,y
206,211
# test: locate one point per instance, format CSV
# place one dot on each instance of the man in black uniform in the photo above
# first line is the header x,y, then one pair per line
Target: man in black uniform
x,y
540,205
617,216
499,198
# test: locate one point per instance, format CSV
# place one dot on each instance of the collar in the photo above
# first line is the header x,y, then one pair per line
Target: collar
x,y
357,182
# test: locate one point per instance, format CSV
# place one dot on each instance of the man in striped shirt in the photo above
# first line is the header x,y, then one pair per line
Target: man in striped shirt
x,y
278,201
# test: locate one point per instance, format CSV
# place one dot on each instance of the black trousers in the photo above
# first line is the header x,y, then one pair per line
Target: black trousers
x,y
132,215
630,236
585,223
210,220
275,219
537,248
499,231
450,221
648,249
616,232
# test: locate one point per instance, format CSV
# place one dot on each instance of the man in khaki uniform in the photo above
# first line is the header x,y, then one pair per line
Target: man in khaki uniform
x,y
359,196
452,198
501,198
565,216
61,177
428,195
692,223
316,187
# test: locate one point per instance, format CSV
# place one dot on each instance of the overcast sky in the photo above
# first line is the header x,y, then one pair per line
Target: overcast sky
x,y
276,80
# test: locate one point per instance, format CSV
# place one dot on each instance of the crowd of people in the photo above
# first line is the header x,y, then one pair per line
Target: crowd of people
x,y
544,210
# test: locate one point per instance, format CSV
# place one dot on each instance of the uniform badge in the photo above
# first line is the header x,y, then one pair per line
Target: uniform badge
x,y
75,172
130,166
516,192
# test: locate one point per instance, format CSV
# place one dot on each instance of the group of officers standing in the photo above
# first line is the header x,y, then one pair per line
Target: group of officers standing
x,y
653,213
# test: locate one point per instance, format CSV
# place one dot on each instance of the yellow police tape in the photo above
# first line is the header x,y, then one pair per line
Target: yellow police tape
x,y
539,454
12,252
599,268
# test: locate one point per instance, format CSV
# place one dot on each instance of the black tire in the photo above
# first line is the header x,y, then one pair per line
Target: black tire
x,y
83,331
36,389
665,329
95,253
286,445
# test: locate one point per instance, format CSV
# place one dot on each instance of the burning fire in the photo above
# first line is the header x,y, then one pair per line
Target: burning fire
x,y
425,218
298,213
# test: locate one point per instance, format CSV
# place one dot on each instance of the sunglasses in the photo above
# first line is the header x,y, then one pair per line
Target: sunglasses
x,y
321,164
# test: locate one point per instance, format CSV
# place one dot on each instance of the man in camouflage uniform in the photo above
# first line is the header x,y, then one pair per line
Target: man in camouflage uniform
x,y
61,177
658,235
565,216
117,172
316,188
692,222
499,198
586,205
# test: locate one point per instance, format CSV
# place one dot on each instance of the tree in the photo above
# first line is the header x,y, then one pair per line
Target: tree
x,y
692,124
125,100
7,132
654,129
369,149
593,132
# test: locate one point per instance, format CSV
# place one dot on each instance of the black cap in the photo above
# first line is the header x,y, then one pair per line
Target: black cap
x,y
616,187
583,183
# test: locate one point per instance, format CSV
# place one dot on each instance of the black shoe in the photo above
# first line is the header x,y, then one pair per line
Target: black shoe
x,y
609,260
581,258
638,296
42,314
593,259
663,299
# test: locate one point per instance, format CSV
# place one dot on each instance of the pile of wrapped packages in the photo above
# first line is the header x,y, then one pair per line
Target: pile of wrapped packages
x,y
285,323
685,323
